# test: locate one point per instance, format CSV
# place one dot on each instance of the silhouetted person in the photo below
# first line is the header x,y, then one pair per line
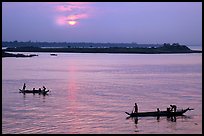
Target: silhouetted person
x,y
24,86
33,90
173,108
44,88
135,108
158,110
39,90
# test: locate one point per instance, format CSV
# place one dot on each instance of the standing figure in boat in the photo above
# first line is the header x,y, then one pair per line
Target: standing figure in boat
x,y
135,108
24,86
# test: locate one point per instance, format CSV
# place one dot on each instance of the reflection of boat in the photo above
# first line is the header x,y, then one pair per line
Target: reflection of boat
x,y
159,113
52,54
169,118
34,91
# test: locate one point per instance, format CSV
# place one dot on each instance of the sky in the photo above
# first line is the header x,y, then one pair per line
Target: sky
x,y
114,22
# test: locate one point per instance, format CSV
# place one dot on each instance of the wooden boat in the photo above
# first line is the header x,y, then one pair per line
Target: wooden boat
x,y
159,113
34,91
52,54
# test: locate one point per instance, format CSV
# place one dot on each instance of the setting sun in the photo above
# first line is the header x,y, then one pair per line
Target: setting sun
x,y
72,23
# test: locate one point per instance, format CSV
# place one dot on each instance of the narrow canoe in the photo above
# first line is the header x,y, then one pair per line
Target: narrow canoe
x,y
33,91
160,113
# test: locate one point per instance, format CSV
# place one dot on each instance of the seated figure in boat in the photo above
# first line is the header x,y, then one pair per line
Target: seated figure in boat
x,y
34,90
44,88
39,90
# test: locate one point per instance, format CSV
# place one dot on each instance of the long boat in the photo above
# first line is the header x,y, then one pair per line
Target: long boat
x,y
34,91
159,113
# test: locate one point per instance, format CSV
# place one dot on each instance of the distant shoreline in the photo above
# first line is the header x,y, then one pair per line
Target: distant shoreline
x,y
165,49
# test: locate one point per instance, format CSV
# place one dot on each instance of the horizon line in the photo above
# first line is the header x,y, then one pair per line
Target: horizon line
x,y
105,42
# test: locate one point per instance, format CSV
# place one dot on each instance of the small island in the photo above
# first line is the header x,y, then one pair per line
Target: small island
x,y
163,49
6,54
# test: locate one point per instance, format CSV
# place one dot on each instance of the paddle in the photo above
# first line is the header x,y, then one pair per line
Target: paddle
x,y
127,113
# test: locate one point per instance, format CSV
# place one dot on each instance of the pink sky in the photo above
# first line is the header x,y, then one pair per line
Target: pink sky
x,y
72,11
140,22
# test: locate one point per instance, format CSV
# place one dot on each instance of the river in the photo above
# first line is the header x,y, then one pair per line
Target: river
x,y
90,93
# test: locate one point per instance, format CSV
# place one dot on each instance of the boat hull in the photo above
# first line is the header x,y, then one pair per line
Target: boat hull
x,y
33,91
160,113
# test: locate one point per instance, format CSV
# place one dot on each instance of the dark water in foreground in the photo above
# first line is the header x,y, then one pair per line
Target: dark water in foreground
x,y
90,93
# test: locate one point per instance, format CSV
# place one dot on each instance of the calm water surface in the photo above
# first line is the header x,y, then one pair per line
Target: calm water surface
x,y
90,93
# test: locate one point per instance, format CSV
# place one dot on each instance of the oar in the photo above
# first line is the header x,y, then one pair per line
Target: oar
x,y
127,113
190,109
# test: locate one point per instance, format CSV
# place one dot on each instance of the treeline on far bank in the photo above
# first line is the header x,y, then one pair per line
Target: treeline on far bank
x,y
73,44
165,48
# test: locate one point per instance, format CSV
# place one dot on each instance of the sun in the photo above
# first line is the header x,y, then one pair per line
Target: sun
x,y
72,23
